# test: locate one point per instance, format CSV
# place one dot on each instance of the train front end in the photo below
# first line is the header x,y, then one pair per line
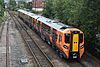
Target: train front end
x,y
74,43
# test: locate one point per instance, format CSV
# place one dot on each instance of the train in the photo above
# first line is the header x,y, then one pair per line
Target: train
x,y
67,40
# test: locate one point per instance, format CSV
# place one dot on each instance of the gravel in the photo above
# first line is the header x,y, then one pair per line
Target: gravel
x,y
17,48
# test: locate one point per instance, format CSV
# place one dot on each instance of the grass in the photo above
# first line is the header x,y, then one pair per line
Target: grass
x,y
3,18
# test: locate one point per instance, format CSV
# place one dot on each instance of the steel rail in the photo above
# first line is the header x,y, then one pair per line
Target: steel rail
x,y
7,46
20,28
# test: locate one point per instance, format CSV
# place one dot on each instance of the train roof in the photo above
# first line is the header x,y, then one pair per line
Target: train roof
x,y
52,23
29,14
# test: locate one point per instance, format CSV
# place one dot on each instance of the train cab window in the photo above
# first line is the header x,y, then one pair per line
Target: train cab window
x,y
44,27
81,38
67,38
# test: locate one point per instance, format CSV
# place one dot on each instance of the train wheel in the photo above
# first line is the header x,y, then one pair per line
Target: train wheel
x,y
54,47
43,38
64,56
57,51
49,43
78,59
61,55
32,28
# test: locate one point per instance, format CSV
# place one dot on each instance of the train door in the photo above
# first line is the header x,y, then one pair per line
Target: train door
x,y
75,41
51,29
59,40
33,23
54,36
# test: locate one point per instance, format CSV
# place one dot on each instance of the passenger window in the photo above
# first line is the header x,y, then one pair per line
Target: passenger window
x,y
55,35
43,27
48,30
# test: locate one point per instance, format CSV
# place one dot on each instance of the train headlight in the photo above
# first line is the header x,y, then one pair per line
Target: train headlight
x,y
66,47
82,46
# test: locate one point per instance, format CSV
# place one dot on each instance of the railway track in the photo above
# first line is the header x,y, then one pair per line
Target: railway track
x,y
7,42
7,46
39,56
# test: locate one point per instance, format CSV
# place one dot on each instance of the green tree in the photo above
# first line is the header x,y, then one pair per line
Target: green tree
x,y
83,14
29,5
22,4
49,9
90,22
59,10
12,4
1,7
73,10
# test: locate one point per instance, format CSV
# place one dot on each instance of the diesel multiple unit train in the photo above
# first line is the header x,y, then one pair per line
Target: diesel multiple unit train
x,y
67,40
